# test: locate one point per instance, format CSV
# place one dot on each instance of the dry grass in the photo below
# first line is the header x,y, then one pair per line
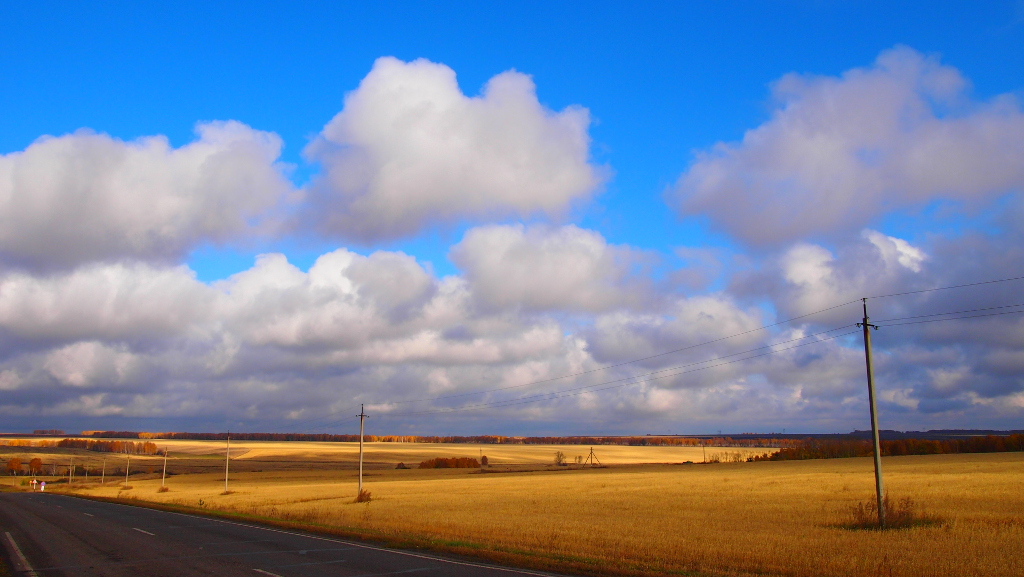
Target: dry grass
x,y
775,518
902,513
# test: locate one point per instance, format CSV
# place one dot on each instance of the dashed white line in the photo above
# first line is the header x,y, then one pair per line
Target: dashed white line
x,y
350,543
146,532
266,572
370,547
26,568
89,514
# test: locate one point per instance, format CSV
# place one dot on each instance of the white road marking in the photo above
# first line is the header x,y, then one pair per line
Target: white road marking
x,y
141,531
26,568
350,543
89,514
266,572
370,547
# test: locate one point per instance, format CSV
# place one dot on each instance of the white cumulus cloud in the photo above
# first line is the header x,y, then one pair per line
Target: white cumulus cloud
x,y
410,150
85,196
838,152
549,269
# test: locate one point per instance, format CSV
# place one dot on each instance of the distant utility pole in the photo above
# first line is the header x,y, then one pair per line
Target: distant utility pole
x,y
127,469
163,480
227,461
362,416
103,476
874,415
71,471
592,459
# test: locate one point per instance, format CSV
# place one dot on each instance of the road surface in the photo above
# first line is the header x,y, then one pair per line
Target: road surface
x,y
48,535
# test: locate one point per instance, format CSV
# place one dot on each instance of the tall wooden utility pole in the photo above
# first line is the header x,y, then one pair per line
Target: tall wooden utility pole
x,y
362,416
163,479
879,490
103,475
227,461
126,469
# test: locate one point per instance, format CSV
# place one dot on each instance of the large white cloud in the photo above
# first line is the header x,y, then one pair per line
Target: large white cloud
x,y
550,269
113,302
86,196
410,150
277,343
838,152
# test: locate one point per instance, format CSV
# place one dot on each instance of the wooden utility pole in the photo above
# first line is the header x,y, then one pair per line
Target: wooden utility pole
x,y
592,459
163,480
127,469
227,461
103,475
879,489
362,416
71,471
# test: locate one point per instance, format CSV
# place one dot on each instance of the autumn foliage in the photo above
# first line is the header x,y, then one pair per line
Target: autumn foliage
x,y
450,463
833,449
129,447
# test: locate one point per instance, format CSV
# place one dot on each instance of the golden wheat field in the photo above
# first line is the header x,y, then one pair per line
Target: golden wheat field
x,y
774,518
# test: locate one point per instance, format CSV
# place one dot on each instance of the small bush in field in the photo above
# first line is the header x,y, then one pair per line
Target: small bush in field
x,y
163,489
363,497
450,463
899,514
483,461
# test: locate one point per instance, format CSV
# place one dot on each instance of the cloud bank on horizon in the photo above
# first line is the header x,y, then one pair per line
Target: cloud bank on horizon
x,y
101,317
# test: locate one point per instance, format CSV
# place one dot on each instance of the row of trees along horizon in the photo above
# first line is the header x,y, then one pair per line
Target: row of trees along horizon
x,y
789,449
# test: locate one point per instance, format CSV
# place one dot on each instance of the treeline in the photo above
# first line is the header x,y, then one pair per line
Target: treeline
x,y
477,439
835,449
450,463
127,447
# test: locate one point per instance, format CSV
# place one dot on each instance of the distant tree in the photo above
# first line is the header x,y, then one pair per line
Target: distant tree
x,y
559,458
483,461
14,466
35,466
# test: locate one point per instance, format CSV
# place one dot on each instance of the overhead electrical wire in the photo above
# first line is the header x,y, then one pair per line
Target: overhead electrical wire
x,y
328,422
590,388
631,380
954,318
949,313
606,367
947,287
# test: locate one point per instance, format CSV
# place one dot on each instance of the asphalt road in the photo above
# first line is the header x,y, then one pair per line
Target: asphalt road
x,y
52,535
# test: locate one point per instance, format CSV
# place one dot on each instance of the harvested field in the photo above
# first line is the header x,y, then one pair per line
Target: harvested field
x,y
776,518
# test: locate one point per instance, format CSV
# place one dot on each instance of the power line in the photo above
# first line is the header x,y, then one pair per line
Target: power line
x,y
590,388
951,313
606,367
677,367
956,318
947,287
581,390
327,422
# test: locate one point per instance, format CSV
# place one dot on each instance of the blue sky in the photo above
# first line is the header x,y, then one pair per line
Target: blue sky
x,y
661,80
663,84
